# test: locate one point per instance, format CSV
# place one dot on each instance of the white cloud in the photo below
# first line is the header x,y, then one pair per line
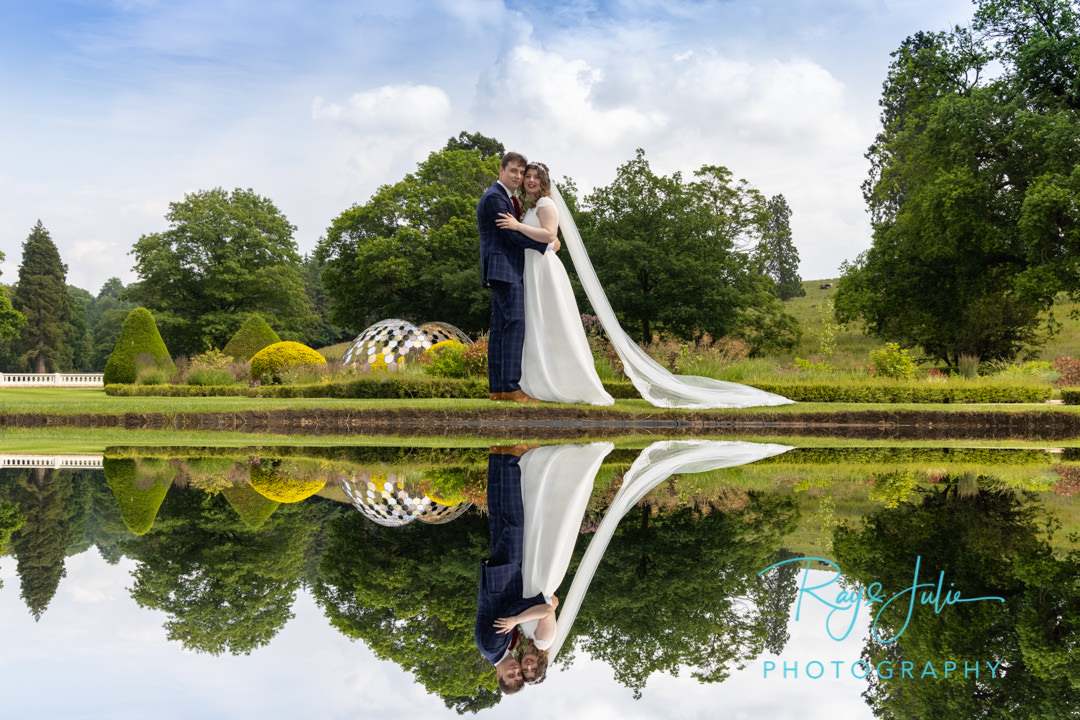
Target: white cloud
x,y
397,109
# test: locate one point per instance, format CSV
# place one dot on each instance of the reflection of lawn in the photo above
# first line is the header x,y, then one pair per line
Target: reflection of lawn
x,y
72,401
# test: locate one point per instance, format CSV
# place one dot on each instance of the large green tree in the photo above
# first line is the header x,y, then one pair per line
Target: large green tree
x,y
225,255
11,320
972,189
413,249
776,253
41,296
673,256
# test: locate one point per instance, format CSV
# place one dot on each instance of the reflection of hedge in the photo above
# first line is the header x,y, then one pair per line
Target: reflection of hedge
x,y
138,336
252,337
253,508
272,484
271,360
138,507
870,455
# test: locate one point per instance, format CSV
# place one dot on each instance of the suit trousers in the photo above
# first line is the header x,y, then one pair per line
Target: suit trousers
x,y
507,336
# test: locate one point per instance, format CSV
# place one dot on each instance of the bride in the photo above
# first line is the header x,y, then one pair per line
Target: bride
x,y
556,363
556,484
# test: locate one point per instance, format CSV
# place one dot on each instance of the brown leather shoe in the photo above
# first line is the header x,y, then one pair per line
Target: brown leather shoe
x,y
520,397
495,397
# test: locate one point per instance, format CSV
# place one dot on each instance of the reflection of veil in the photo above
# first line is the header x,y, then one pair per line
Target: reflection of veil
x,y
655,383
556,484
656,463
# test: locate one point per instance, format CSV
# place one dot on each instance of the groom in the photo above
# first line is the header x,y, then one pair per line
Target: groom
x,y
502,264
501,584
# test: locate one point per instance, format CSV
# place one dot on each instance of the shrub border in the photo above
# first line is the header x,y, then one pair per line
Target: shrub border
x,y
414,387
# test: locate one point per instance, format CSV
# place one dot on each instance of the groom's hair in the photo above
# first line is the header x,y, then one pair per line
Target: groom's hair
x,y
513,158
510,687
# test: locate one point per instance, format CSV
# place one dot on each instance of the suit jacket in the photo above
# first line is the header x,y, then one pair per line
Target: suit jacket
x,y
501,585
502,252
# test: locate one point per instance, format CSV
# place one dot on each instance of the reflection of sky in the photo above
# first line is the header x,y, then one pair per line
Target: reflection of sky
x,y
96,654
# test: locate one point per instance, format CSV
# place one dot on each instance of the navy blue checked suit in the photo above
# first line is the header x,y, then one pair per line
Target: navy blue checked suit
x,y
501,585
502,264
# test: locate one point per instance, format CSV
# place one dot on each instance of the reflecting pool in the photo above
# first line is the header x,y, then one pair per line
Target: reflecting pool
x,y
692,576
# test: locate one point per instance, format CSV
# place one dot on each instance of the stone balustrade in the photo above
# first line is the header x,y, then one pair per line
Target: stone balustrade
x,y
68,379
92,462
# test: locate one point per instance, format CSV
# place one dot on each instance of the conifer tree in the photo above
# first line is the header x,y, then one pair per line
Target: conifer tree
x,y
777,254
41,296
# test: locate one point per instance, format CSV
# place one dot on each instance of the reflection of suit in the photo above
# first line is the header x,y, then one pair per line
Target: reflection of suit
x,y
502,263
500,574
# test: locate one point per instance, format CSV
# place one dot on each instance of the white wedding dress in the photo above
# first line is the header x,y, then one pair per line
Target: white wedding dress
x,y
556,483
556,362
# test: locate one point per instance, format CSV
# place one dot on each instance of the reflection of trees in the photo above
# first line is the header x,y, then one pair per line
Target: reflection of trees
x,y
988,543
53,505
410,594
679,589
227,587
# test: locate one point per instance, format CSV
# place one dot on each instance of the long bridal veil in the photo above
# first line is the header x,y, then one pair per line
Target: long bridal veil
x,y
652,380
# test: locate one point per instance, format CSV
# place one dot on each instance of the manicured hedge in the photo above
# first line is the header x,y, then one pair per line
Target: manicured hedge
x,y
1070,396
139,336
269,362
913,392
252,337
386,386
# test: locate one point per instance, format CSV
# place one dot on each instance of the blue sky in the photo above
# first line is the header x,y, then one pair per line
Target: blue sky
x,y
114,109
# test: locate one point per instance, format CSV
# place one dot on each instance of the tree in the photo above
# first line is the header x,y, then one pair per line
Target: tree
x,y
487,147
776,254
412,251
224,256
53,506
41,296
1039,40
105,318
11,321
322,333
671,255
971,192
79,338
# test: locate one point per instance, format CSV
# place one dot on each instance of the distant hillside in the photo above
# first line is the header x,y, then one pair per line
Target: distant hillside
x,y
853,347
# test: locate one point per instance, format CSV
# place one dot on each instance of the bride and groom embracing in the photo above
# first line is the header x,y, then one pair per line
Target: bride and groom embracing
x,y
537,349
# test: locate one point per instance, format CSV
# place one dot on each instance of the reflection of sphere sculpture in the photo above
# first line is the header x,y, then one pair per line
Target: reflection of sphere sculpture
x,y
389,342
386,500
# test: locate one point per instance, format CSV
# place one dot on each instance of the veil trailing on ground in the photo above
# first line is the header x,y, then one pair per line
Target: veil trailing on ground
x,y
652,380
654,465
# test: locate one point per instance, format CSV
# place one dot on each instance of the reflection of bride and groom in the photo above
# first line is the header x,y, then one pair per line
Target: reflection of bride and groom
x,y
537,349
537,497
